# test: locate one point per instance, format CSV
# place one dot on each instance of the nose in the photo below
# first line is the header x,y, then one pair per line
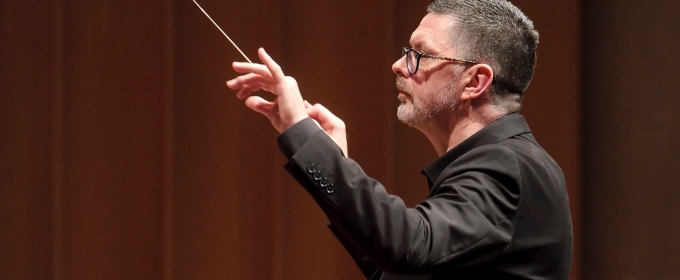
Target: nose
x,y
399,67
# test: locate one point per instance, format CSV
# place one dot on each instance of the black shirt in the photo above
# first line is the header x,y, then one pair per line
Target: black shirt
x,y
497,207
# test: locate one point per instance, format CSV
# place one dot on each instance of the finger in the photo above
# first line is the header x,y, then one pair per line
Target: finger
x,y
326,119
258,104
243,91
238,82
251,68
274,68
332,125
246,91
249,80
307,104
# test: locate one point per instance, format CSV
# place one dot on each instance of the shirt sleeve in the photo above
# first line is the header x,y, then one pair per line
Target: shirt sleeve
x,y
292,139
468,217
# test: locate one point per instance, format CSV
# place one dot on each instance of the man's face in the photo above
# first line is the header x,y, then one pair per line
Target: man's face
x,y
432,92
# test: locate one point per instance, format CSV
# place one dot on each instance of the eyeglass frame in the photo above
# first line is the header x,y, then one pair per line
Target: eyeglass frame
x,y
419,55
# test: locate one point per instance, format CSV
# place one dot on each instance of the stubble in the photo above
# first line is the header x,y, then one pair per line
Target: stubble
x,y
426,108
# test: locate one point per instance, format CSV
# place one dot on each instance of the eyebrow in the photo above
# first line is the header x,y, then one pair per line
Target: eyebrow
x,y
419,45
425,48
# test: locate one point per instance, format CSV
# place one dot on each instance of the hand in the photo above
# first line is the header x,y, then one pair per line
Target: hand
x,y
332,125
287,109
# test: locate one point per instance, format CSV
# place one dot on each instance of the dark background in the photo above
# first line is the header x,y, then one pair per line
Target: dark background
x,y
124,156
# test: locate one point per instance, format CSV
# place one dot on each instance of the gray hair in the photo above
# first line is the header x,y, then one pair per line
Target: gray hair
x,y
497,33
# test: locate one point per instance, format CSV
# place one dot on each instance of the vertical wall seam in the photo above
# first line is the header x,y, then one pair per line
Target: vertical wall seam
x,y
58,144
577,217
169,143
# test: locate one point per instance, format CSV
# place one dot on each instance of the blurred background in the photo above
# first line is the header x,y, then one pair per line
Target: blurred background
x,y
124,156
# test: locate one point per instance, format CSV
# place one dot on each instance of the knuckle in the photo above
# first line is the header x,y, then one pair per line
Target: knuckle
x,y
276,68
291,80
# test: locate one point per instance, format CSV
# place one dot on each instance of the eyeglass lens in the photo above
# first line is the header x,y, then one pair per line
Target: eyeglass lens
x,y
412,61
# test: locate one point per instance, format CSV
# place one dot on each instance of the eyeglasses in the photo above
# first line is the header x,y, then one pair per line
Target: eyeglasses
x,y
413,56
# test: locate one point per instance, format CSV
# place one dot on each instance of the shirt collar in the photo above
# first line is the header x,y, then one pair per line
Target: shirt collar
x,y
500,129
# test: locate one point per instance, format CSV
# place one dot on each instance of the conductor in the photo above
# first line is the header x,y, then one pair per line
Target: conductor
x,y
497,206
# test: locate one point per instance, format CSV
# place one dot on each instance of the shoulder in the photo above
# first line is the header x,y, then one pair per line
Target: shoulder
x,y
496,157
492,167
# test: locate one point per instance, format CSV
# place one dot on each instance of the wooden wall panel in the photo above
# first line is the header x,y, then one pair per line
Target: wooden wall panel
x,y
226,155
113,139
206,203
632,131
260,181
27,38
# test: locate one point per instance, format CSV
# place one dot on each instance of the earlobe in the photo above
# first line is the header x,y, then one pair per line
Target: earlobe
x,y
479,81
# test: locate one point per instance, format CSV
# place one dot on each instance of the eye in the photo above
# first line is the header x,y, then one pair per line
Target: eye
x,y
425,53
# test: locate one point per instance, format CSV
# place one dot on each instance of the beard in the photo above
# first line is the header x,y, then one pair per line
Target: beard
x,y
426,108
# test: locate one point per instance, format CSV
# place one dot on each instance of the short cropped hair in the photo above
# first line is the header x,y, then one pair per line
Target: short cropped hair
x,y
497,33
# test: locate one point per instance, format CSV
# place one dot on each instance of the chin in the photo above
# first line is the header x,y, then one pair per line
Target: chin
x,y
406,115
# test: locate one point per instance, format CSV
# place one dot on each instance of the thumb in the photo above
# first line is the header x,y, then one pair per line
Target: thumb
x,y
324,117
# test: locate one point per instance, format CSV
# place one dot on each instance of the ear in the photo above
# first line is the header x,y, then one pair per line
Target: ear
x,y
477,82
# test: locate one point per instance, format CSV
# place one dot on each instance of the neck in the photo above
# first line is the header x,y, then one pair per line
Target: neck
x,y
446,134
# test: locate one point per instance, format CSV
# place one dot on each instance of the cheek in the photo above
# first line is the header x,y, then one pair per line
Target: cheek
x,y
423,94
427,88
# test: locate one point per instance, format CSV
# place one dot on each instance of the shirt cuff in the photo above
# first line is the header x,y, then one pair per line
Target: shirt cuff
x,y
295,136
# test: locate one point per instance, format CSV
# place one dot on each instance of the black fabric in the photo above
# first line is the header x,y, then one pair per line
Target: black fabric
x,y
497,208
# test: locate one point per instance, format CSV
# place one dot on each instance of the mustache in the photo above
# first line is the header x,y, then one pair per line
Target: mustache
x,y
401,85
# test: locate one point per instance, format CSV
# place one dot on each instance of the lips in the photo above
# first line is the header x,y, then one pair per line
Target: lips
x,y
401,86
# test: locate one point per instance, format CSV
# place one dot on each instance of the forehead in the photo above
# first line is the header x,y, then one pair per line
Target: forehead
x,y
434,31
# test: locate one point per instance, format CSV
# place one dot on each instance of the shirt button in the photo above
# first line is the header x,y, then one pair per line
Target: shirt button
x,y
318,175
330,189
324,182
311,168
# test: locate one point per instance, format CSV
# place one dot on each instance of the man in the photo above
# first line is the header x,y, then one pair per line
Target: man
x,y
497,206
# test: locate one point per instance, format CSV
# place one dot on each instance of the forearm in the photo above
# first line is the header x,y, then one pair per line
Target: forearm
x,y
378,223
